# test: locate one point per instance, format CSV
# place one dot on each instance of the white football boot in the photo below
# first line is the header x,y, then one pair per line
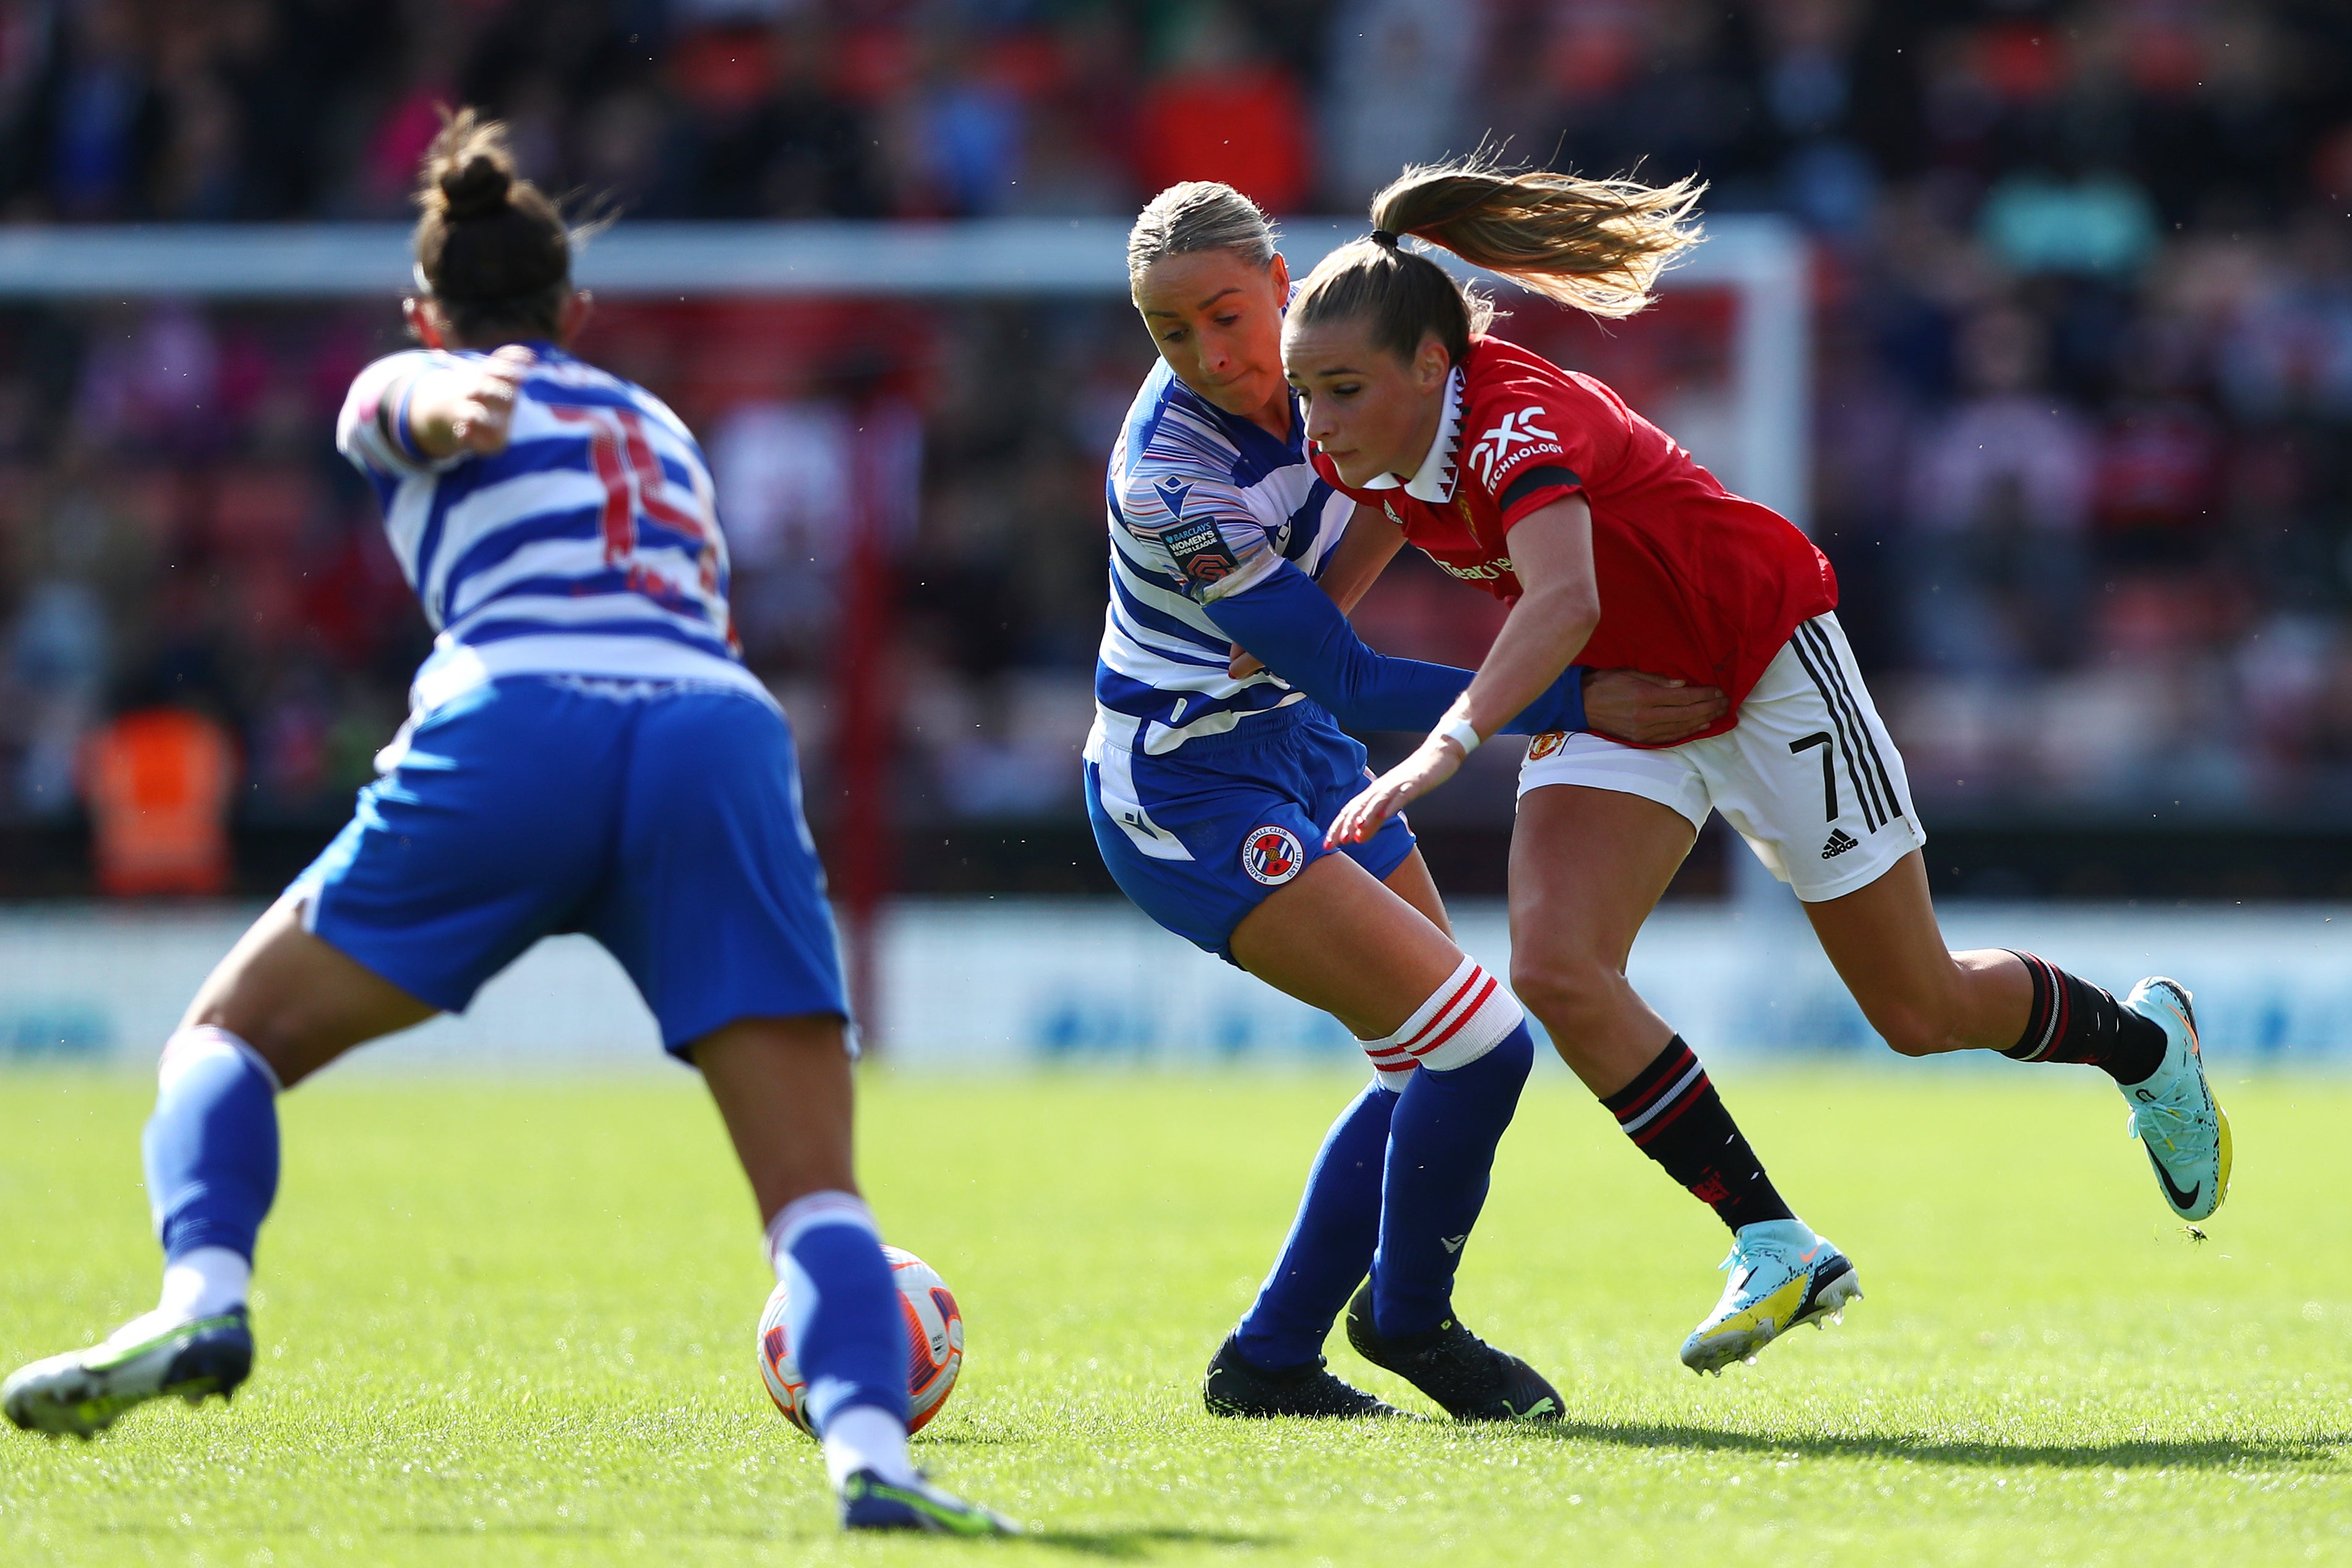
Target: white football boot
x,y
1781,1275
2174,1114
83,1391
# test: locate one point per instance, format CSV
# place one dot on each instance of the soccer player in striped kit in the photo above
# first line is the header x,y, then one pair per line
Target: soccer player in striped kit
x,y
1612,545
1210,783
585,752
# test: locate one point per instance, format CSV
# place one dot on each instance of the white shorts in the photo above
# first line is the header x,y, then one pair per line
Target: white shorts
x,y
1808,776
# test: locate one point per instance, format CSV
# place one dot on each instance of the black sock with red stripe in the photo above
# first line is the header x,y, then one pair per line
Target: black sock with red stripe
x,y
2073,1020
1673,1113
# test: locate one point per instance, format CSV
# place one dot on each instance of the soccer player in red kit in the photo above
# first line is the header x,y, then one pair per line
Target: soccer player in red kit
x,y
1613,548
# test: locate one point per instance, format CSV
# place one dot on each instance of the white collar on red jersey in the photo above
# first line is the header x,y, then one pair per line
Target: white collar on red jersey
x,y
1434,481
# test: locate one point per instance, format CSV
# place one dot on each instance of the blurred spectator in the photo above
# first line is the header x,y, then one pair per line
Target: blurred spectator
x,y
157,780
1995,560
291,740
1663,86
2287,348
1397,89
2160,456
726,79
1078,153
764,133
823,165
1224,111
154,383
2101,224
1809,90
967,129
96,123
57,659
2085,366
1004,750
783,471
621,151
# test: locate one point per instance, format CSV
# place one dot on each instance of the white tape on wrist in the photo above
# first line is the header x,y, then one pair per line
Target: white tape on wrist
x,y
1462,733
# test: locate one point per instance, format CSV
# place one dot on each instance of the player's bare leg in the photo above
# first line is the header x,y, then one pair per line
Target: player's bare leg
x,y
1402,1173
1339,939
281,1005
785,1089
298,1001
1921,999
1587,868
1924,1001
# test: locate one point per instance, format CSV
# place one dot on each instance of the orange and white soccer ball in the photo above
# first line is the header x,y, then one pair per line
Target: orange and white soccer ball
x,y
934,1339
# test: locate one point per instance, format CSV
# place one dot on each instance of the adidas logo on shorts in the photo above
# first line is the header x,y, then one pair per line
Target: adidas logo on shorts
x,y
1840,841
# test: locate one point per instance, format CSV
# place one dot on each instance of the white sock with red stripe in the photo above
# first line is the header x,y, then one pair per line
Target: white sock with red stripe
x,y
1463,1019
1471,1054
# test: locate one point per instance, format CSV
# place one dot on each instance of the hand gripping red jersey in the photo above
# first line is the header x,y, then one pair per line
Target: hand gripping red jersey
x,y
1695,582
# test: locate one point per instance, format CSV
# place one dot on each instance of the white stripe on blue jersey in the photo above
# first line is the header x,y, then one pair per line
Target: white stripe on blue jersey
x,y
590,546
1203,504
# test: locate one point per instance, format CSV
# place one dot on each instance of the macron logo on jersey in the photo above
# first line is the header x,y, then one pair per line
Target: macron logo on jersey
x,y
1496,448
1173,494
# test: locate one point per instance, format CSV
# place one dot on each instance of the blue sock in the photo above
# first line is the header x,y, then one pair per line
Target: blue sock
x,y
1441,1154
1330,1248
847,1329
211,1146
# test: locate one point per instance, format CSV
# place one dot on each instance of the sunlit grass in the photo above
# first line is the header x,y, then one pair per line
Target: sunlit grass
x,y
511,1322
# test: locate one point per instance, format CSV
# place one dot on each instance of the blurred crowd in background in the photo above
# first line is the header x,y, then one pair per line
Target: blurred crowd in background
x,y
2084,282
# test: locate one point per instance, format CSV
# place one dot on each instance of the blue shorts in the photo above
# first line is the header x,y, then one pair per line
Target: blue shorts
x,y
1200,837
663,821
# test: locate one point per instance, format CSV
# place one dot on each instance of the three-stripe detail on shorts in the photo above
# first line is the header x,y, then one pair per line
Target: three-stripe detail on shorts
x,y
1865,772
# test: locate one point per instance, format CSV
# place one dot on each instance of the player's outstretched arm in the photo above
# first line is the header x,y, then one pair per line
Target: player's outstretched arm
x,y
1294,627
467,407
1306,639
1540,638
1355,563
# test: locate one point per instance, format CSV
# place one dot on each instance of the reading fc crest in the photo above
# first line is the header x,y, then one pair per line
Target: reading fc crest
x,y
1272,855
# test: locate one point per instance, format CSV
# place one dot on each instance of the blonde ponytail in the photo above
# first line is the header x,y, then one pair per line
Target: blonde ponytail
x,y
1596,245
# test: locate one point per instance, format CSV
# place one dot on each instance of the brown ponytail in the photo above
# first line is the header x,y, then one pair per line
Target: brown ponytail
x,y
492,246
1597,245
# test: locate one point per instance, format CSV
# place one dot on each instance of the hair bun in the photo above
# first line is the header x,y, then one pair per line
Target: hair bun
x,y
477,189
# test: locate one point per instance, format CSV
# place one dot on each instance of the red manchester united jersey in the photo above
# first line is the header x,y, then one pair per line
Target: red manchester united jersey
x,y
1695,582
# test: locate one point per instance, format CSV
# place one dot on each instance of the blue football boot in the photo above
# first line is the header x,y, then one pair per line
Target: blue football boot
x,y
83,1391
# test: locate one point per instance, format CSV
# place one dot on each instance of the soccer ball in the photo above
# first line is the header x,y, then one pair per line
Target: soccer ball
x,y
934,1337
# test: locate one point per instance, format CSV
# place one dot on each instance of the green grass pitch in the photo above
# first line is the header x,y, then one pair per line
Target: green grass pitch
x,y
509,1322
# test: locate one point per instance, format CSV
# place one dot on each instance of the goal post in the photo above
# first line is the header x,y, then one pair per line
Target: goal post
x,y
1750,424
1759,259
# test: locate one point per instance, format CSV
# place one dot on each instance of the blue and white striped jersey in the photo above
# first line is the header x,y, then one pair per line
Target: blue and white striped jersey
x,y
1203,505
590,546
